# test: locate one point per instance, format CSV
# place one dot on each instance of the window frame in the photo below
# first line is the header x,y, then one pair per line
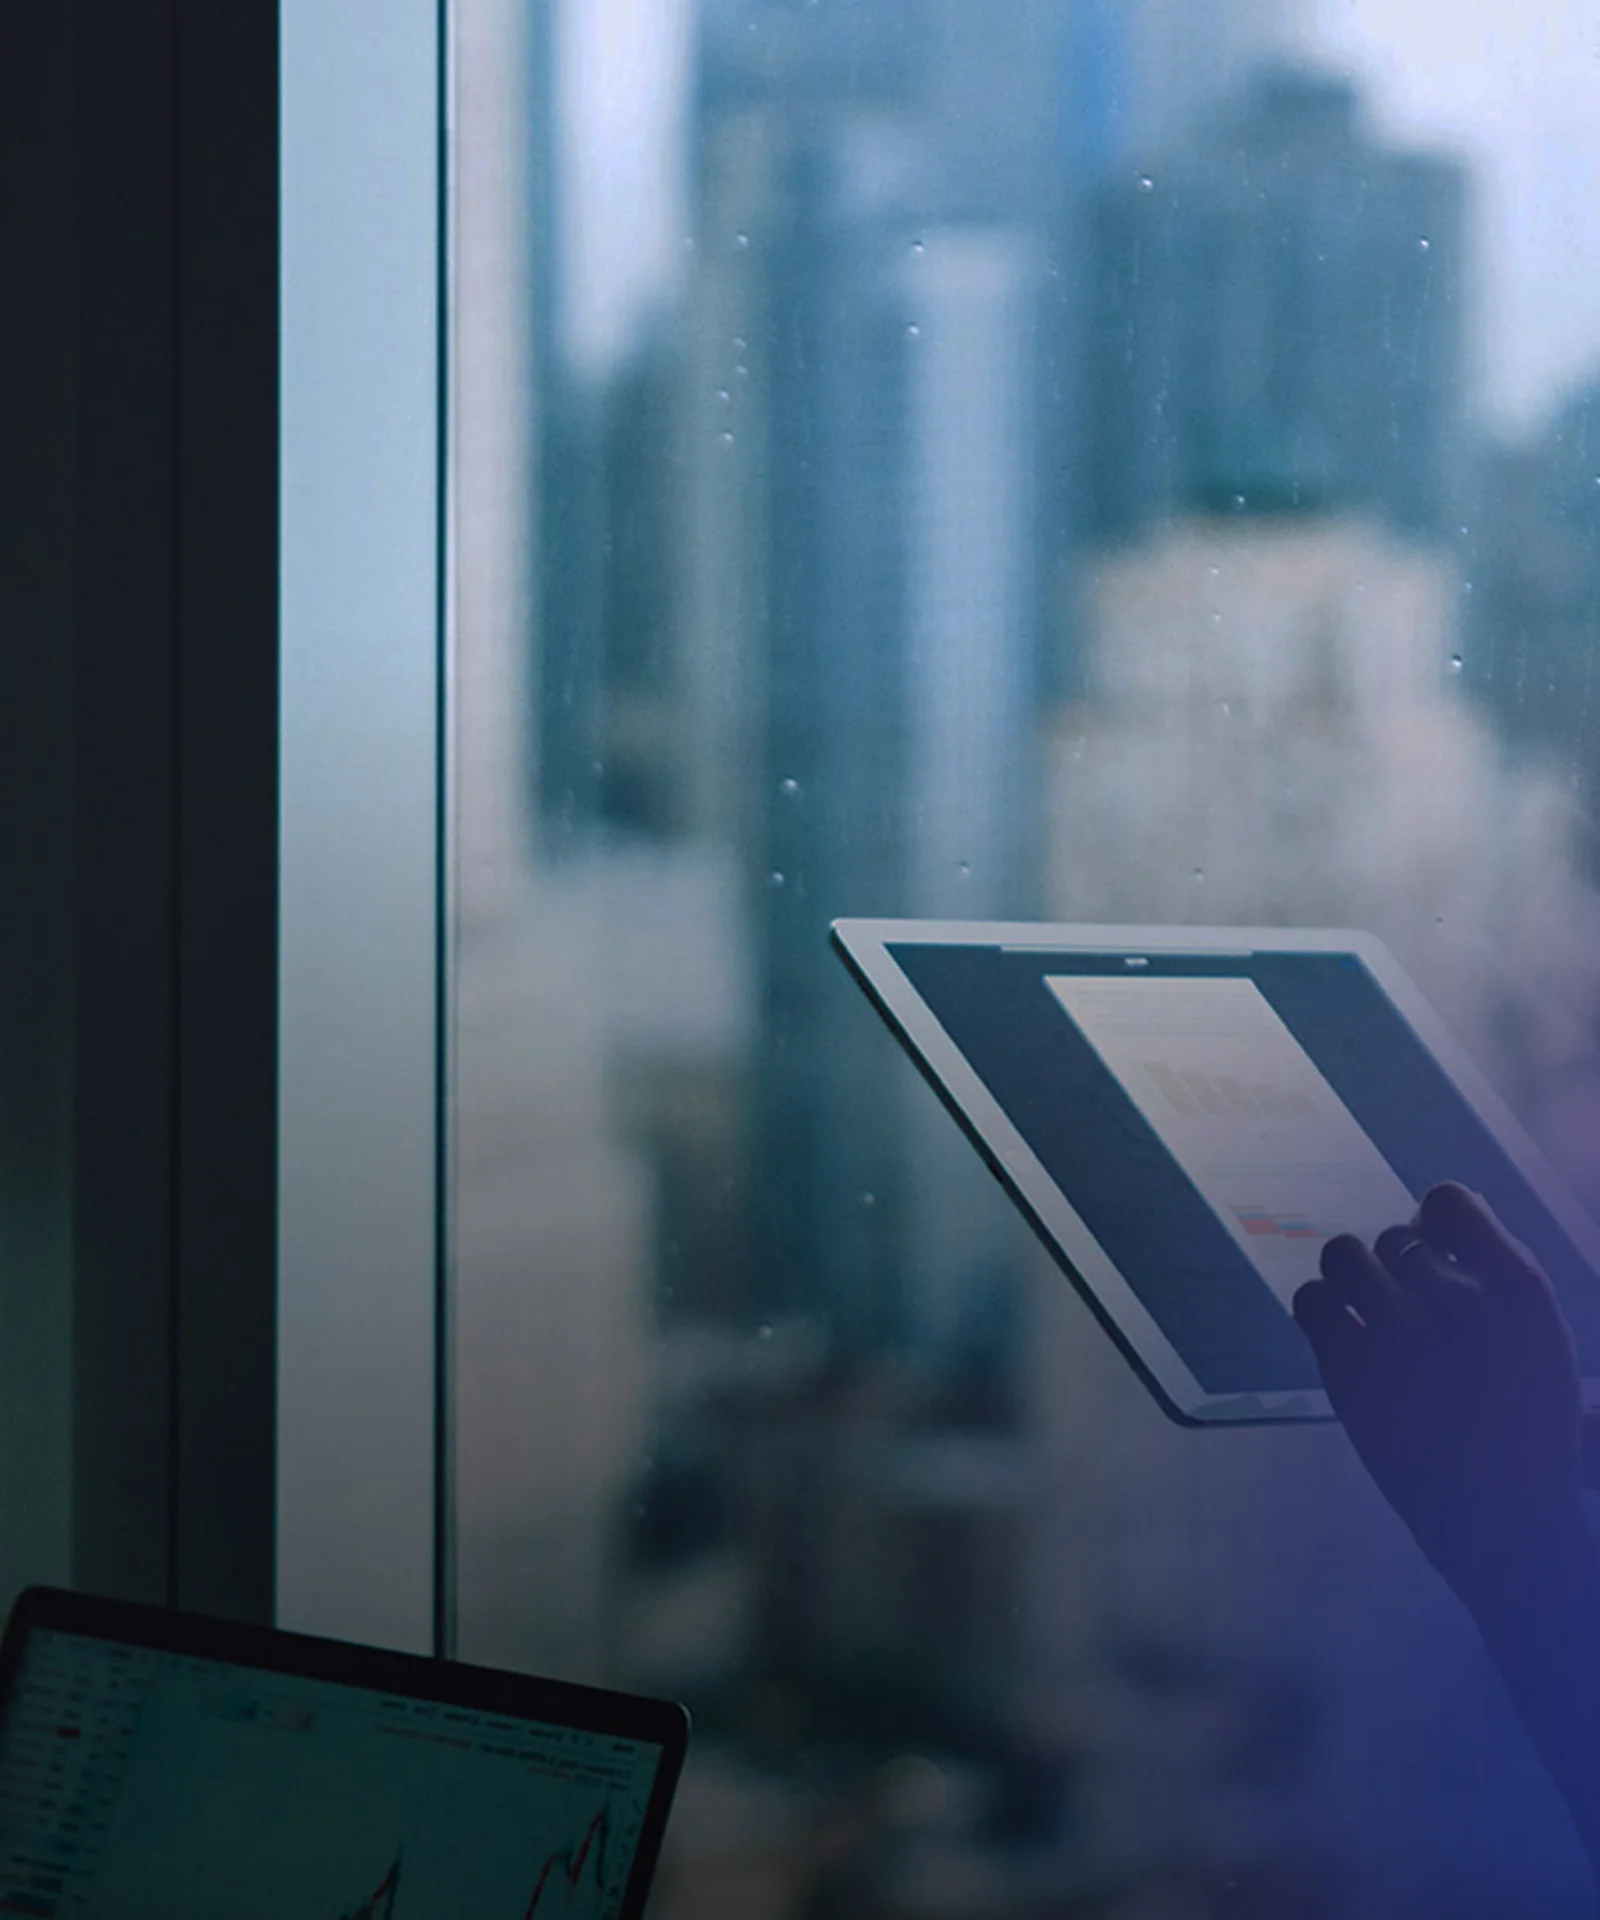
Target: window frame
x,y
363,857
162,1318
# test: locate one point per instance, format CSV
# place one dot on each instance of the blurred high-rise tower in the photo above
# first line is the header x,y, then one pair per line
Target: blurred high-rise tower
x,y
1532,620
1177,66
875,209
884,433
1279,316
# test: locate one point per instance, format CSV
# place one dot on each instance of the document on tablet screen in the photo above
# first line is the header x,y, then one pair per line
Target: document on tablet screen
x,y
1244,1111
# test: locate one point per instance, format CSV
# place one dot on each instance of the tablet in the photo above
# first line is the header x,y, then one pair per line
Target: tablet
x,y
1186,1114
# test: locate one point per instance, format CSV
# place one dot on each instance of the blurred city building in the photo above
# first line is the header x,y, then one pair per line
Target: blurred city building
x,y
593,1068
1532,618
863,579
1273,733
1279,312
1171,69
1015,509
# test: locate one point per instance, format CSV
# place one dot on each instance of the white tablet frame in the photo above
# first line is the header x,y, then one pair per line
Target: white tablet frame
x,y
864,946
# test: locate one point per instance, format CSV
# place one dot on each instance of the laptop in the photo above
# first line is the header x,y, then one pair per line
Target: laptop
x,y
1186,1114
161,1766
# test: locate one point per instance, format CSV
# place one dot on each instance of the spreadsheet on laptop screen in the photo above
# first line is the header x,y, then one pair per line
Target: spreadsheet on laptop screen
x,y
136,1781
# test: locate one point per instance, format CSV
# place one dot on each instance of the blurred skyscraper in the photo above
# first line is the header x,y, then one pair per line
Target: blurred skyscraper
x,y
1532,619
1175,67
1279,315
1012,118
1273,733
774,592
874,210
883,429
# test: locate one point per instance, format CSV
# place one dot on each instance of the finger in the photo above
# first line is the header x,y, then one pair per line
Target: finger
x,y
1355,1273
1460,1225
1323,1315
1408,1259
1421,1273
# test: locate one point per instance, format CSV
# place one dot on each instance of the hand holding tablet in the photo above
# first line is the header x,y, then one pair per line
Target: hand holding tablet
x,y
1191,1121
1445,1354
1447,1357
1187,1116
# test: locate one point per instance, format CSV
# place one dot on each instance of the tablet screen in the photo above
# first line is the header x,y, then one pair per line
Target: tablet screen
x,y
1213,1118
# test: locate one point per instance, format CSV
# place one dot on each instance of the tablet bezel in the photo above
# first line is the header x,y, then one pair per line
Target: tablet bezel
x,y
864,946
657,1723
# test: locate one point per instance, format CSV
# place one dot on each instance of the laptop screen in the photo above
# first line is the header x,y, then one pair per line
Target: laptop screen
x,y
137,1781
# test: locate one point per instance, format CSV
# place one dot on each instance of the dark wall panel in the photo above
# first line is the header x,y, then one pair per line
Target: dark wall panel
x,y
172,508
138,797
125,624
35,793
227,706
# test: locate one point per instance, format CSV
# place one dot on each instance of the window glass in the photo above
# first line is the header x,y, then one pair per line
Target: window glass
x,y
1097,460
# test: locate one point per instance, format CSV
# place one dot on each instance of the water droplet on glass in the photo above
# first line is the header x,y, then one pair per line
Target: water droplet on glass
x,y
724,398
1215,616
1423,245
914,332
1238,503
726,439
1225,708
917,246
1198,875
763,1333
774,880
790,789
964,868
1455,663
741,241
869,1199
739,343
1214,570
1146,184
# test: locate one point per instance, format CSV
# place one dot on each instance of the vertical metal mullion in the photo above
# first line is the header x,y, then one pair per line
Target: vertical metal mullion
x,y
361,803
444,1554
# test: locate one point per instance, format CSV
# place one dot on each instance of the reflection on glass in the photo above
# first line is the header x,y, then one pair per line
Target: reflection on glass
x,y
1083,460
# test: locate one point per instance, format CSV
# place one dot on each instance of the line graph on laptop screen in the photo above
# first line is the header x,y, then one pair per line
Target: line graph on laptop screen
x,y
135,1782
